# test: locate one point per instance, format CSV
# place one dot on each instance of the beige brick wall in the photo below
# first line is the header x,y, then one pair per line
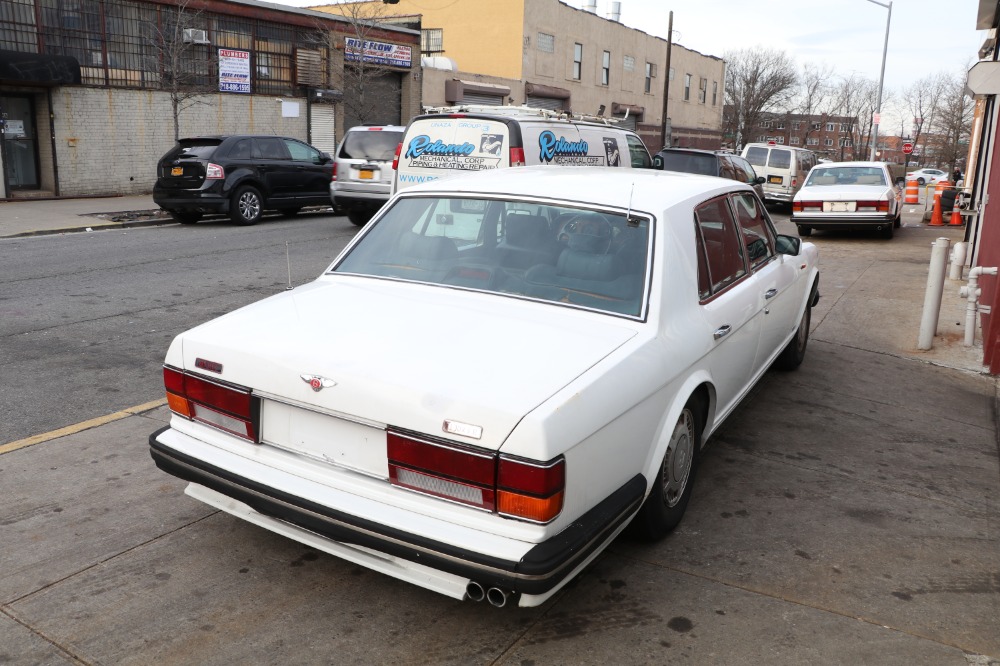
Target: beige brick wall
x,y
107,141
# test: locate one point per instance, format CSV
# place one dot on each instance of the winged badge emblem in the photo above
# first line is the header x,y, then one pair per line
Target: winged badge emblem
x,y
318,383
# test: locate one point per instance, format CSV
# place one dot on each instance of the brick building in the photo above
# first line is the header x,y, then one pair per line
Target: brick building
x,y
829,136
87,87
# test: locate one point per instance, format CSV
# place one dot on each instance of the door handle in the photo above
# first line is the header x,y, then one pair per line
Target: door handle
x,y
770,293
722,331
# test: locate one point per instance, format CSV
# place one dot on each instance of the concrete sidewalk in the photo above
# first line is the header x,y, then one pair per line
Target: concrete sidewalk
x,y
35,217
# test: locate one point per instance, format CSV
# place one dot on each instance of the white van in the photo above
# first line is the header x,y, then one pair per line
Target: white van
x,y
784,168
449,141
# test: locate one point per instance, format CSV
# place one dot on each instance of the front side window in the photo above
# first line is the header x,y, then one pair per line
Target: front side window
x,y
577,61
721,261
638,153
300,152
559,254
758,237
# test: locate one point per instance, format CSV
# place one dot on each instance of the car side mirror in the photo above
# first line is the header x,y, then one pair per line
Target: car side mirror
x,y
324,158
789,245
759,180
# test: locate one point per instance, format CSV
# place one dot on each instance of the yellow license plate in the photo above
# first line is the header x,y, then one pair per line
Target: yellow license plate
x,y
177,171
775,180
366,174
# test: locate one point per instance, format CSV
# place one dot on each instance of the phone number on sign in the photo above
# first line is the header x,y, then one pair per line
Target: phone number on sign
x,y
234,87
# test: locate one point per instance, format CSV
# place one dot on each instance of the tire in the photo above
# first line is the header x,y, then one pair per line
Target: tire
x,y
793,353
921,181
359,217
887,231
185,217
665,505
805,231
246,206
898,222
290,212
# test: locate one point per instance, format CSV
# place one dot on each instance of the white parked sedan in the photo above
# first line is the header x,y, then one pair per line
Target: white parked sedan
x,y
495,377
848,195
925,176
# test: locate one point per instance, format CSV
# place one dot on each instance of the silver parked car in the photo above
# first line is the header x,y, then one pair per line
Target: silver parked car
x,y
362,170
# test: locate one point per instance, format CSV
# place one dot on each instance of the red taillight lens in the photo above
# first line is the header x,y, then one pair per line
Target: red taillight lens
x,y
228,408
531,490
873,206
334,175
461,475
802,206
512,487
795,182
395,159
214,172
517,157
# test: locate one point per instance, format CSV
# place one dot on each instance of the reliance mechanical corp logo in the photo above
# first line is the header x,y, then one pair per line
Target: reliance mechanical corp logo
x,y
550,147
422,145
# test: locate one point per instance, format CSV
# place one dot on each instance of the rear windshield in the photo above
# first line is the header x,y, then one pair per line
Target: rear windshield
x,y
706,165
846,176
780,159
371,145
194,148
757,156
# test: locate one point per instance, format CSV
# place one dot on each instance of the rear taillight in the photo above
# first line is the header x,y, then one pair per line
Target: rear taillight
x,y
873,206
517,157
513,487
795,182
334,176
214,172
223,406
395,158
802,206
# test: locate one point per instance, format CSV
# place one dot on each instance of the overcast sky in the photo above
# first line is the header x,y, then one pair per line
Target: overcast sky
x,y
925,36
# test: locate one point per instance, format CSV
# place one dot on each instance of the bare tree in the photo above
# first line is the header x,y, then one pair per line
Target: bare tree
x,y
364,78
954,121
815,97
856,98
924,100
183,60
758,80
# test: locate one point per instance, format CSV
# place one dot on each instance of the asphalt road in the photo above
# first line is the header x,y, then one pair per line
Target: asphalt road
x,y
86,318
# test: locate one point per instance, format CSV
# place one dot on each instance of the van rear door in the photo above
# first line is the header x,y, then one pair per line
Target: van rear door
x,y
437,147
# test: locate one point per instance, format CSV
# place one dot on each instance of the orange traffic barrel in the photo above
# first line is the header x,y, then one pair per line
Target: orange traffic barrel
x,y
912,192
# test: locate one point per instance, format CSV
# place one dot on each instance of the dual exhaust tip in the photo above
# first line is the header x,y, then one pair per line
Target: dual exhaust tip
x,y
494,595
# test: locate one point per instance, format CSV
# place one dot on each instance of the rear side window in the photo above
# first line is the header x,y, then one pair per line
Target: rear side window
x,y
757,235
638,153
370,145
701,163
780,159
271,149
241,150
201,149
757,156
720,261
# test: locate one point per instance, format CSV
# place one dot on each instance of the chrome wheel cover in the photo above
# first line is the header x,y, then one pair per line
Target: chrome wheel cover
x,y
676,472
249,206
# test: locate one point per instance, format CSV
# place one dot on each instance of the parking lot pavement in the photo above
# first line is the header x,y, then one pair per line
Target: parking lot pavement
x,y
847,513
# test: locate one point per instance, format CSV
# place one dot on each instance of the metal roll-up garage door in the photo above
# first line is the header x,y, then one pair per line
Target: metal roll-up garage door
x,y
322,128
627,123
480,98
552,103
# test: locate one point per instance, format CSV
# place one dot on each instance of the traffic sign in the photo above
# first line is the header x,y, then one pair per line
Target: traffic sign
x,y
907,148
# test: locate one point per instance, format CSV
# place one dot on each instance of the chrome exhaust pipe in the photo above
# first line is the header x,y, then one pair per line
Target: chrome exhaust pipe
x,y
475,591
496,597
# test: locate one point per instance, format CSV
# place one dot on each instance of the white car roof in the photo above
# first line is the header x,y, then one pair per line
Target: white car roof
x,y
827,165
649,189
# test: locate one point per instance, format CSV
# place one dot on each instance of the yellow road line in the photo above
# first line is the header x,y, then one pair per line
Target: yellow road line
x,y
80,427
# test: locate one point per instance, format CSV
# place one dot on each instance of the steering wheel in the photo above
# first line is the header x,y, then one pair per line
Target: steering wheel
x,y
586,232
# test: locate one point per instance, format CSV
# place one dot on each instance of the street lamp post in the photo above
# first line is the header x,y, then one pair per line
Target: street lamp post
x,y
881,78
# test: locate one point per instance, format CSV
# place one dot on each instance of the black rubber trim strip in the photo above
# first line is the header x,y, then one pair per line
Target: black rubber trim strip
x,y
541,569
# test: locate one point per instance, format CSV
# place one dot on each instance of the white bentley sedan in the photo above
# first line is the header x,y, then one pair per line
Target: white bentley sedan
x,y
497,376
848,195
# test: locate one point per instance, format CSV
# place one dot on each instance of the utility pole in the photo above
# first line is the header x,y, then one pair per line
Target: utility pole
x,y
667,130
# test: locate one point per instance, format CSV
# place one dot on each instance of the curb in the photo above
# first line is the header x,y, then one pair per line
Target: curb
x,y
96,226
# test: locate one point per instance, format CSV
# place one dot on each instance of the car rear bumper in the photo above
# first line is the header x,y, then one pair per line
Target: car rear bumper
x,y
354,199
539,570
187,200
842,222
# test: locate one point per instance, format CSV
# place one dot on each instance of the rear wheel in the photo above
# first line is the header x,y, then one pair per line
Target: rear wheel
x,y
921,181
668,499
359,217
246,206
185,217
805,231
887,230
793,353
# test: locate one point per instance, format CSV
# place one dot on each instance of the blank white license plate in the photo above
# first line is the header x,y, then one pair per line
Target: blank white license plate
x,y
839,206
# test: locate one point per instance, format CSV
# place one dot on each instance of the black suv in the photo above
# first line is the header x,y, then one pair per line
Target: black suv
x,y
709,163
242,176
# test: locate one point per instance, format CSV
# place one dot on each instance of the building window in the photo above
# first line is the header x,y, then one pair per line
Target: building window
x,y
780,139
432,40
816,126
702,90
577,61
813,141
650,73
780,125
546,43
829,127
794,141
765,123
606,68
795,125
671,73
828,142
846,142
843,127
715,92
761,139
687,87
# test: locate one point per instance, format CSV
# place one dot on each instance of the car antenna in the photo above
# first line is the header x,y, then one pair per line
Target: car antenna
x,y
288,263
632,221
